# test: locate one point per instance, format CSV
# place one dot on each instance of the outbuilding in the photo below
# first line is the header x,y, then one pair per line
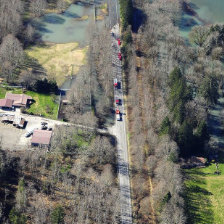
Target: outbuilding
x,y
6,104
41,138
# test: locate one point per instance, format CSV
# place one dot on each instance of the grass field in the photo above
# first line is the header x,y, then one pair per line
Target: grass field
x,y
44,104
205,195
59,60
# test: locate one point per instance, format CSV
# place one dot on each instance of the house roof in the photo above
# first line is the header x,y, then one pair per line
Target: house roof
x,y
18,99
6,103
41,137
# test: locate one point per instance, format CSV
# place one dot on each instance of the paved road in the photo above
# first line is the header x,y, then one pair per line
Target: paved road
x,y
119,131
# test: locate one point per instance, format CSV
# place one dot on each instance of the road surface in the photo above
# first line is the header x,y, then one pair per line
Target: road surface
x,y
119,131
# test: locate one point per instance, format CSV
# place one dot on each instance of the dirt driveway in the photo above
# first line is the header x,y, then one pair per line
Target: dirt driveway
x,y
13,138
10,137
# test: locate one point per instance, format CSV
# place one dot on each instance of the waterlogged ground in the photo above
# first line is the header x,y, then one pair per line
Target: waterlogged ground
x,y
216,124
209,10
70,26
65,38
204,12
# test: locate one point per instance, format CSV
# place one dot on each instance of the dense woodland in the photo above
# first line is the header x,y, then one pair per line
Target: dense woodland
x,y
171,85
73,183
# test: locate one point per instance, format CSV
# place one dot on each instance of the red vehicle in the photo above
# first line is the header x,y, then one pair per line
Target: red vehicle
x,y
115,83
118,115
119,41
119,56
118,101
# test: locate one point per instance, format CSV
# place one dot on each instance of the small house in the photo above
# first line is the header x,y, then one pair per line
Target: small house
x,y
41,138
15,100
6,104
19,100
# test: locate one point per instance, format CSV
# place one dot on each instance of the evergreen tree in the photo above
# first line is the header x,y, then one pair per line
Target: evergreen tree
x,y
209,89
57,215
17,218
185,139
179,95
165,127
126,9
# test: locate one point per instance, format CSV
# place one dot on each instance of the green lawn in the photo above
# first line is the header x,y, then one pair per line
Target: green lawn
x,y
205,195
44,104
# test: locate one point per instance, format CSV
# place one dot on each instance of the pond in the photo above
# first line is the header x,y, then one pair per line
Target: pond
x,y
198,12
70,26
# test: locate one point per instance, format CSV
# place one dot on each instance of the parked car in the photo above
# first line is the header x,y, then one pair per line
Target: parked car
x,y
28,134
115,83
119,56
118,117
118,101
118,41
43,127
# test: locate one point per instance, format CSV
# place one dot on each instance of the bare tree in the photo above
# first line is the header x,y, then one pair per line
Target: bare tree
x,y
37,7
61,5
198,35
29,33
27,78
11,54
10,17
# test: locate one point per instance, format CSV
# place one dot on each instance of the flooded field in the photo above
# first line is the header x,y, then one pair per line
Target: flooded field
x,y
60,31
198,12
70,26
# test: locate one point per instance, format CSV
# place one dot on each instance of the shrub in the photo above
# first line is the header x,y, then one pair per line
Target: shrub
x,y
57,215
16,217
126,10
45,86
165,127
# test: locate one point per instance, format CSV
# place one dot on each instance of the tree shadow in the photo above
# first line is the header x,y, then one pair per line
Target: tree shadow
x,y
53,19
138,19
37,68
186,24
40,26
8,182
198,204
70,15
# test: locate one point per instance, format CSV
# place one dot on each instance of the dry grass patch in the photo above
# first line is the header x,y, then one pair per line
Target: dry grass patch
x,y
59,60
83,18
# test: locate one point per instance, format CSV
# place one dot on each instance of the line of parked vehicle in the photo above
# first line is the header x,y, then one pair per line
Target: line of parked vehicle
x,y
117,86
